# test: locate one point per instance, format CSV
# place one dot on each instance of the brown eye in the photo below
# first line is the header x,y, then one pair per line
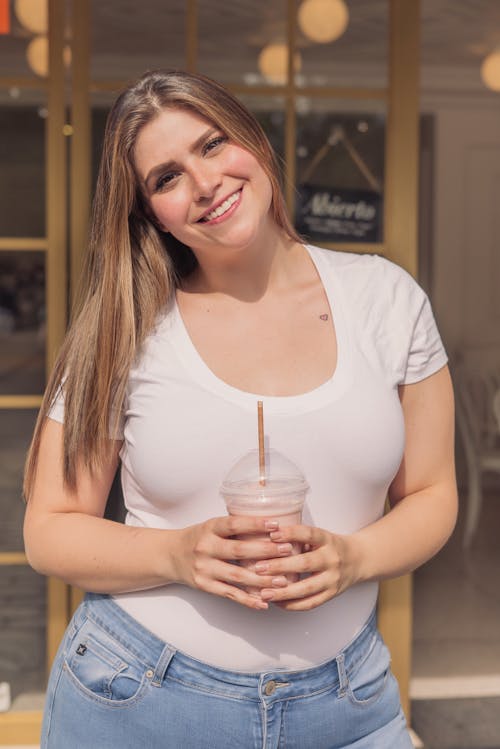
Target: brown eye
x,y
164,180
214,142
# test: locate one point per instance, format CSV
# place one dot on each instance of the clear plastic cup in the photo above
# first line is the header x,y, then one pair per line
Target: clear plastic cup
x,y
279,493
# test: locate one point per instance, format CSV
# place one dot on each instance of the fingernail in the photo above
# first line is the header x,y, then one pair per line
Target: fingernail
x,y
280,581
261,605
276,536
267,595
271,525
284,548
261,567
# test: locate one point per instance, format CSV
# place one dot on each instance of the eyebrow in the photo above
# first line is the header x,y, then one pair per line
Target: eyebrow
x,y
165,166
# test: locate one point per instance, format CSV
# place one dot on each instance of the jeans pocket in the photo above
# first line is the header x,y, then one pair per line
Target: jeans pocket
x,y
101,666
368,681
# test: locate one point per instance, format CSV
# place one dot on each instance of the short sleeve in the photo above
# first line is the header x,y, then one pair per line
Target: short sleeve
x,y
117,421
426,353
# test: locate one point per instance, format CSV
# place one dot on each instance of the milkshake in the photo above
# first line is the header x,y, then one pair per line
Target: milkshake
x,y
276,491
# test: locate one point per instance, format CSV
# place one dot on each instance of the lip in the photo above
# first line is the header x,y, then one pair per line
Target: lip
x,y
225,215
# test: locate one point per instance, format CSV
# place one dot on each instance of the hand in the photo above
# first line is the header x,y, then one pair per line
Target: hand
x,y
207,553
327,562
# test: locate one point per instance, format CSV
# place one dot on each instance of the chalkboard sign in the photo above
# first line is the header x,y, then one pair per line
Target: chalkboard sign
x,y
339,215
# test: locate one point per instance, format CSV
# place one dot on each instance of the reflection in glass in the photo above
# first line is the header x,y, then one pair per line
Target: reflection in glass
x,y
22,323
22,155
23,627
340,173
128,38
270,112
16,429
357,59
246,28
13,49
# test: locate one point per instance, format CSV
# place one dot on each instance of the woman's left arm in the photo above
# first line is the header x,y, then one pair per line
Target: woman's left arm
x,y
423,500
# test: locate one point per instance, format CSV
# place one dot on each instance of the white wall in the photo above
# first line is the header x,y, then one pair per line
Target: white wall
x,y
466,235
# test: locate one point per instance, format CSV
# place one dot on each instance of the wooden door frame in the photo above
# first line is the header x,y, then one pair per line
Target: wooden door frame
x,y
399,244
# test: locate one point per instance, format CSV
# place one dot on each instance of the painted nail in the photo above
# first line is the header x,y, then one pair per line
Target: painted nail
x,y
276,536
271,525
262,605
279,582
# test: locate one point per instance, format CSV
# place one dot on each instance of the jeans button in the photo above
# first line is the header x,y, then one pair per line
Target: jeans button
x,y
270,688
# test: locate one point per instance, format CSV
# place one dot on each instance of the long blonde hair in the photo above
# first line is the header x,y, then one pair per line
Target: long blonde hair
x,y
132,268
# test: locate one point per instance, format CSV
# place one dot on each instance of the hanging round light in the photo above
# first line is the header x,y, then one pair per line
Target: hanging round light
x,y
37,54
490,70
33,15
323,21
273,63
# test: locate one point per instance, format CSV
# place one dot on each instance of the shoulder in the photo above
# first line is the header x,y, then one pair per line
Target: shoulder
x,y
379,281
388,313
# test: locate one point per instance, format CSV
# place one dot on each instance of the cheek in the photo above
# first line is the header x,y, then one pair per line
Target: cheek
x,y
243,163
246,165
169,209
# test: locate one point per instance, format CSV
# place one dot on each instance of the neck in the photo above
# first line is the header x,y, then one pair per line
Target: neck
x,y
246,275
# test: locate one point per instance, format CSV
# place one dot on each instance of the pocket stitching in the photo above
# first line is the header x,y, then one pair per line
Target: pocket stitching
x,y
352,697
105,655
373,697
106,701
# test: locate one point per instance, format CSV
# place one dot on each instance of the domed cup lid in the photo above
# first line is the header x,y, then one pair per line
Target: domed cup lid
x,y
281,486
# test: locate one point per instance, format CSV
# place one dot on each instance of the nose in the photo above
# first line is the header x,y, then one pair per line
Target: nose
x,y
206,179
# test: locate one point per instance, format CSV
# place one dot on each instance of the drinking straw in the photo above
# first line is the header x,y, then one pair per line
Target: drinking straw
x,y
262,457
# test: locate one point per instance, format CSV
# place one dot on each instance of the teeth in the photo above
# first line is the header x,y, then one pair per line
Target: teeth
x,y
223,207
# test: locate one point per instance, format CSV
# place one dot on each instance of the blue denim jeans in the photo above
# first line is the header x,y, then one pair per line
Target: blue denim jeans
x,y
115,684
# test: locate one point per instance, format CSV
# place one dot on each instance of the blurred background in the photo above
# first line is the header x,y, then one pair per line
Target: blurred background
x,y
386,117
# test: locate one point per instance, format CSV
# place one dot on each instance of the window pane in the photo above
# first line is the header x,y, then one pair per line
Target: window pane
x,y
22,155
22,323
13,49
356,59
340,170
234,41
128,38
23,627
270,112
16,429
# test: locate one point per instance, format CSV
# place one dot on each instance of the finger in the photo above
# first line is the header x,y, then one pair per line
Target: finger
x,y
235,525
309,562
311,586
236,594
304,604
250,548
240,595
304,534
239,575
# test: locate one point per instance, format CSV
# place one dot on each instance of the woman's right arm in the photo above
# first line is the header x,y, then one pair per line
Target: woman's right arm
x,y
66,536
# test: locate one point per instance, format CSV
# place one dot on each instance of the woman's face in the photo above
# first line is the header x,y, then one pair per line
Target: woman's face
x,y
208,192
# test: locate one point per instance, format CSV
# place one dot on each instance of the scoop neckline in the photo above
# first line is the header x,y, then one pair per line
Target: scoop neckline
x,y
327,391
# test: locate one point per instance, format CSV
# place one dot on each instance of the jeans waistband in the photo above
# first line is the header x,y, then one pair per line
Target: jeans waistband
x,y
269,685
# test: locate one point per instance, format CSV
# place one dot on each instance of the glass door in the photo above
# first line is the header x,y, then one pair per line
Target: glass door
x,y
340,111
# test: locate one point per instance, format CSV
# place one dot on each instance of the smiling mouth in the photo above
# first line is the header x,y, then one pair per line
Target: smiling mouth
x,y
221,209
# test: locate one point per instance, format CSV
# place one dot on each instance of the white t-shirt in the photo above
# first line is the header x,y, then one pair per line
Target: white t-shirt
x,y
183,429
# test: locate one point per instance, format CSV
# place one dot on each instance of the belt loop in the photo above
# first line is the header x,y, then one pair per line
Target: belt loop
x,y
161,667
343,681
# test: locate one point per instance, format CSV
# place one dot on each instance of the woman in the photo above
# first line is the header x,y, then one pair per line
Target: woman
x,y
200,298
